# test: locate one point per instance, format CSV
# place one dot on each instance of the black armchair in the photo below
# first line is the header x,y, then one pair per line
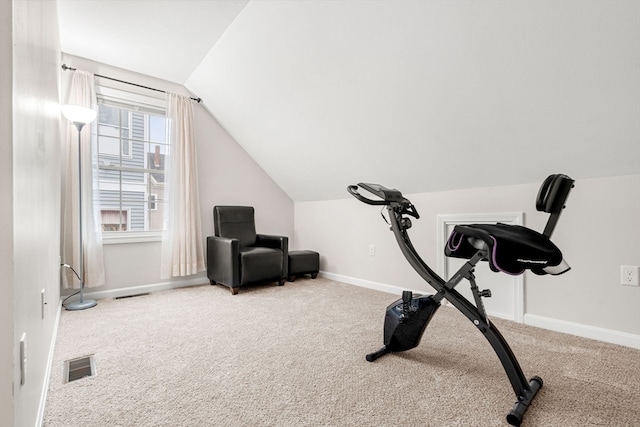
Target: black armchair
x,y
237,256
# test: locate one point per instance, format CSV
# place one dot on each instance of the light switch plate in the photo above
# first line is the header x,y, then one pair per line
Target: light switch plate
x,y
23,358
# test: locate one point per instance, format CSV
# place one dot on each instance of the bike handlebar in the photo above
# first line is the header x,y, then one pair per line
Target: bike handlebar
x,y
353,190
388,197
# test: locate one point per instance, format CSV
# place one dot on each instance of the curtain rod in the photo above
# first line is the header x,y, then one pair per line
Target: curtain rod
x,y
64,67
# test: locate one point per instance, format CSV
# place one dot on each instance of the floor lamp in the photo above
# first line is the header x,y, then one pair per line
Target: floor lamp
x,y
80,116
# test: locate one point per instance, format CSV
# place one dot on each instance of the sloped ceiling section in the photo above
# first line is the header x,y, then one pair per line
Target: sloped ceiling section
x,y
165,39
428,96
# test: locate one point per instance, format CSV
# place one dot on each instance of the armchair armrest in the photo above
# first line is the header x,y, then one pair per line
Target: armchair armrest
x,y
222,260
269,241
276,242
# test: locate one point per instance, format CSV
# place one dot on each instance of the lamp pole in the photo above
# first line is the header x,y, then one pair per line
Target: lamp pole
x,y
80,116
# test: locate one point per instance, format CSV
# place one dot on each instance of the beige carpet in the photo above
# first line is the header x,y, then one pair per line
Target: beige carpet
x,y
294,356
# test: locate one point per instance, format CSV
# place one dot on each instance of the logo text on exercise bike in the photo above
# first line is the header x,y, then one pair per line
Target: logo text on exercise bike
x,y
532,261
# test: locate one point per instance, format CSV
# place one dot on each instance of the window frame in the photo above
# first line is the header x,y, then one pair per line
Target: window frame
x,y
136,102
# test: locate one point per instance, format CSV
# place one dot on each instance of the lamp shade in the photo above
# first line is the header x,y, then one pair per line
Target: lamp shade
x,y
77,114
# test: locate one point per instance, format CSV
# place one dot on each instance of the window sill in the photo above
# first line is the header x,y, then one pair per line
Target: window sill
x,y
120,237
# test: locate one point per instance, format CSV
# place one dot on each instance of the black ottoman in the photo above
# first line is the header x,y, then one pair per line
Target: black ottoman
x,y
303,262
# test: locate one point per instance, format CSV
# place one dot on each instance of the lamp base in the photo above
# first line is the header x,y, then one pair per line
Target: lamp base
x,y
81,305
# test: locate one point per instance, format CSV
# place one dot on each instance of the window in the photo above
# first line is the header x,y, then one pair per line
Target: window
x,y
132,146
153,206
113,220
114,126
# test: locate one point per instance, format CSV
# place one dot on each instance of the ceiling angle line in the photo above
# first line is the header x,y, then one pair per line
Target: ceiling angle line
x,y
65,67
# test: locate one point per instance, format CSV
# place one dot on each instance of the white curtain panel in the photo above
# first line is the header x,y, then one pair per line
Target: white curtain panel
x,y
182,247
82,93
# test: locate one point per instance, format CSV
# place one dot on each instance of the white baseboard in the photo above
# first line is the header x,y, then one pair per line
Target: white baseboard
x,y
396,290
586,331
578,329
47,374
142,289
391,289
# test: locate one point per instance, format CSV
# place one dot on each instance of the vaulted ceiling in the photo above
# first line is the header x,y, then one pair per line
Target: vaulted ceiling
x,y
418,95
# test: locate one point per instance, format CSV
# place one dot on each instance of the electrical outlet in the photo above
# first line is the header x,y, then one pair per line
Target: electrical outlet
x,y
372,250
629,275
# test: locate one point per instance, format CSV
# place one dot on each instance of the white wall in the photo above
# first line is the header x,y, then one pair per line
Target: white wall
x,y
598,231
322,92
31,202
226,174
6,215
601,232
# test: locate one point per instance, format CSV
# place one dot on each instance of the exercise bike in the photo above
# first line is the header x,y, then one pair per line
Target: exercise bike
x,y
511,249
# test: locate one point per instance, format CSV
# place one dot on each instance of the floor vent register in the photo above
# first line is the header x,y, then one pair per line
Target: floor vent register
x,y
82,367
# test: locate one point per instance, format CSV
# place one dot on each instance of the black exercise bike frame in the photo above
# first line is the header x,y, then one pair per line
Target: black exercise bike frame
x,y
397,207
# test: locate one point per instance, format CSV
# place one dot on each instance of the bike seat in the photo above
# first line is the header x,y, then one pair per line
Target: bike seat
x,y
511,249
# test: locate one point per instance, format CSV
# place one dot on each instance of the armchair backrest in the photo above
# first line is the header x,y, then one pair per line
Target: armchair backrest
x,y
235,222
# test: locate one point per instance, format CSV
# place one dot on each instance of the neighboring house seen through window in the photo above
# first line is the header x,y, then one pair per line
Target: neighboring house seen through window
x,y
132,146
